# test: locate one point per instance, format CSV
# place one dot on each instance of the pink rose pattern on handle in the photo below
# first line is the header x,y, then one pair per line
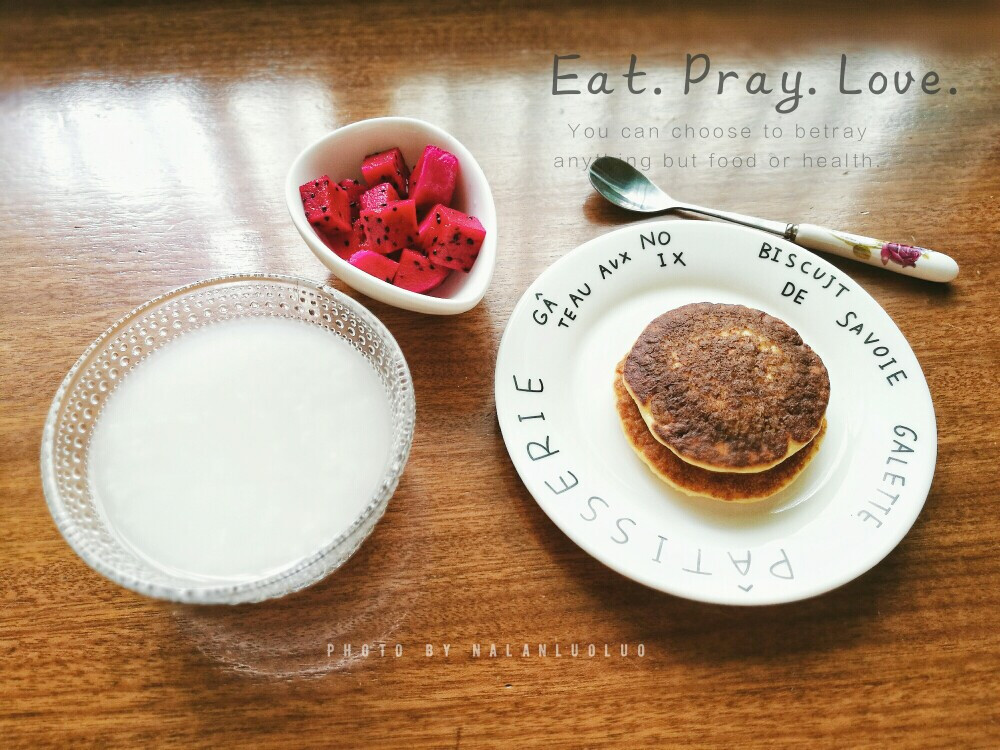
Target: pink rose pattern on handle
x,y
904,255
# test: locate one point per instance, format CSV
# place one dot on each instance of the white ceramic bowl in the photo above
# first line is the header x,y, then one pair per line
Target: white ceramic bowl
x,y
339,154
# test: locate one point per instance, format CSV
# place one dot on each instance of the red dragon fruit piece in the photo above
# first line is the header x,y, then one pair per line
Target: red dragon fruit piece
x,y
346,244
378,196
391,227
386,166
377,265
434,178
417,273
327,206
451,238
354,190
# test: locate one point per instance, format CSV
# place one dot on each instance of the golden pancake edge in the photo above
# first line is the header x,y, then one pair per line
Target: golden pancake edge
x,y
727,388
740,487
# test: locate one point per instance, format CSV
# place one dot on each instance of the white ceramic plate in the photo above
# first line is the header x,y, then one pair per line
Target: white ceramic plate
x,y
850,507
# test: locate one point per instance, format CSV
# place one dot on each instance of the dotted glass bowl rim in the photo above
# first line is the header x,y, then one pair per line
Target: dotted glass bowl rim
x,y
297,575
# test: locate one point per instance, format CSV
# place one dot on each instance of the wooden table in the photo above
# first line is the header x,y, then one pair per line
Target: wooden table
x,y
145,147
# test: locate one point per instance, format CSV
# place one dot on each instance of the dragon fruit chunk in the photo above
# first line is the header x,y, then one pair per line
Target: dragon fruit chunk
x,y
354,192
346,244
391,227
434,178
378,196
451,238
327,206
417,273
386,166
377,265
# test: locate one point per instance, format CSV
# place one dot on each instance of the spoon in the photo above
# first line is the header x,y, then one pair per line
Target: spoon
x,y
626,186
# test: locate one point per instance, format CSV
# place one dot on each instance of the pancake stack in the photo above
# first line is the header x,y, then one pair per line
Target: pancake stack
x,y
722,401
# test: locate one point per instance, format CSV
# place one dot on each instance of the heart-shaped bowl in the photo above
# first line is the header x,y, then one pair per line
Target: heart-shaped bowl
x,y
339,154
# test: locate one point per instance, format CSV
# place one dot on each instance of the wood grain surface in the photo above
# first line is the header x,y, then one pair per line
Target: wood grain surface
x,y
145,146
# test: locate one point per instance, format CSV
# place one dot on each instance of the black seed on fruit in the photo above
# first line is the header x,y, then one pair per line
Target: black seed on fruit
x,y
378,219
468,241
395,208
326,218
454,237
437,218
347,243
312,195
324,208
447,258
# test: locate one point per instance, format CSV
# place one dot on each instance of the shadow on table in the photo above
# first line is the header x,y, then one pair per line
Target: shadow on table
x,y
304,634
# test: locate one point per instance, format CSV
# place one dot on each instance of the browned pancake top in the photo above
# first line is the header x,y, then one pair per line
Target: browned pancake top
x,y
693,480
727,386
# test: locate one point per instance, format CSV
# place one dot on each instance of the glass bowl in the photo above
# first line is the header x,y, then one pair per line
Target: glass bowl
x,y
104,365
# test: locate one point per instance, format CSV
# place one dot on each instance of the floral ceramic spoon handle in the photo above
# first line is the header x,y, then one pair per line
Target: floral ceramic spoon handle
x,y
909,260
